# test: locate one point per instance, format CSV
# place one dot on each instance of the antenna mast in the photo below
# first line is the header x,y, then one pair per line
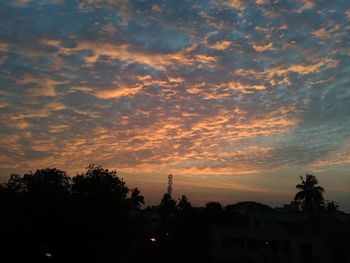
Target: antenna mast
x,y
170,184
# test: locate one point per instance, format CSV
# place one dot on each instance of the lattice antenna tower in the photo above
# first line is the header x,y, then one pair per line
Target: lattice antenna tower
x,y
170,184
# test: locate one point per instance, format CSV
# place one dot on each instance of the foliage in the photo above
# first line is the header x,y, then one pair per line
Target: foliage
x,y
167,205
184,204
15,183
49,180
91,213
214,206
332,207
136,199
43,183
88,212
97,181
310,194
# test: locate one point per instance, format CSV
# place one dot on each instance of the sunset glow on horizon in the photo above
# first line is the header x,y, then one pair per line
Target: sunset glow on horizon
x,y
235,98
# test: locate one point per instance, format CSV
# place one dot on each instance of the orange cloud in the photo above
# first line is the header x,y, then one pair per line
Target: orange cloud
x,y
221,45
339,157
262,2
205,59
303,69
3,47
262,48
176,80
45,86
127,54
279,75
262,29
241,87
116,93
195,88
307,4
215,184
164,144
236,4
80,88
324,33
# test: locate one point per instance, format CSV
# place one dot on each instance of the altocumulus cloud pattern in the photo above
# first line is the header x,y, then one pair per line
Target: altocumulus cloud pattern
x,y
240,91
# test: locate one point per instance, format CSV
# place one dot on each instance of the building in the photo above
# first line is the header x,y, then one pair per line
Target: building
x,y
284,238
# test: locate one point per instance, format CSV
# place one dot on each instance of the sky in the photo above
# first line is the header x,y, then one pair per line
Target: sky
x,y
236,98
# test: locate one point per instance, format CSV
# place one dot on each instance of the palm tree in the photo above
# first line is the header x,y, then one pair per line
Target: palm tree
x,y
310,195
136,199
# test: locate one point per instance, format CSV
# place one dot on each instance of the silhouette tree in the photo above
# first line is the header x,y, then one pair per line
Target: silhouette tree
x,y
214,212
215,207
97,181
15,183
332,207
184,204
167,206
49,183
310,194
136,199
36,210
99,195
90,212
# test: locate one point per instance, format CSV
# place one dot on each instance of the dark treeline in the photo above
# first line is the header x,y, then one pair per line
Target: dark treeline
x,y
48,216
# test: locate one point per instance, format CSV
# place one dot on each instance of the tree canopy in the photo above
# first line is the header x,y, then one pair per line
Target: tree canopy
x,y
136,199
44,183
97,181
310,195
184,204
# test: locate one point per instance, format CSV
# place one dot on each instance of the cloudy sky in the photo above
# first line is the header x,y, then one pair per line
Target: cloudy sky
x,y
236,98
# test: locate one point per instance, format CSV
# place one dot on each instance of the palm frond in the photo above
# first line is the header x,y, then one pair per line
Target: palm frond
x,y
300,195
300,186
319,188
